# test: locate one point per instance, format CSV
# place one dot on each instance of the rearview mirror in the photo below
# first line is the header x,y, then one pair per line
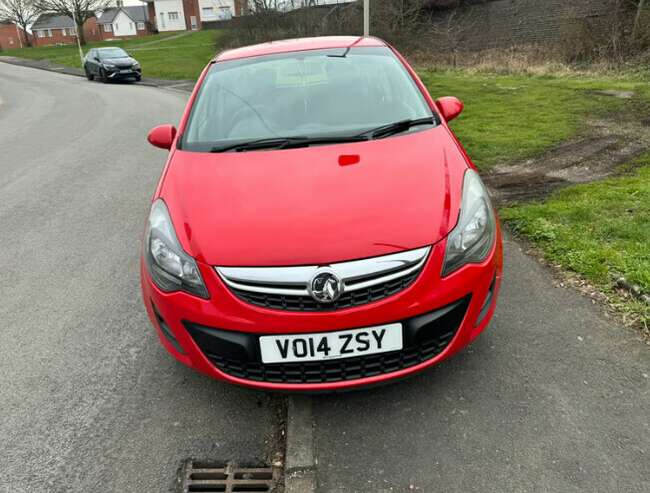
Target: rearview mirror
x,y
450,107
162,136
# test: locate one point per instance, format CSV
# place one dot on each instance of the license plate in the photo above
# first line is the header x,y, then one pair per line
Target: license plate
x,y
331,345
125,71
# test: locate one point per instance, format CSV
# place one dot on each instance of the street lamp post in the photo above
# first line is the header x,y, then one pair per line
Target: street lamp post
x,y
366,17
74,19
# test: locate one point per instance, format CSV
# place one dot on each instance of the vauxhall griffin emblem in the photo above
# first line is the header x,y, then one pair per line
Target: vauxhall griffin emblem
x,y
325,287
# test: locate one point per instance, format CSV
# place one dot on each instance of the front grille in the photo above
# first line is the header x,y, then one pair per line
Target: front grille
x,y
237,354
308,304
361,282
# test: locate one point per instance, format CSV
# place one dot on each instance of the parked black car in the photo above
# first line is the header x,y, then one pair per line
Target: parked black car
x,y
111,64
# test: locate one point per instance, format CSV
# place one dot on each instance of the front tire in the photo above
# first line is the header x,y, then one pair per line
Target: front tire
x,y
138,78
89,76
103,76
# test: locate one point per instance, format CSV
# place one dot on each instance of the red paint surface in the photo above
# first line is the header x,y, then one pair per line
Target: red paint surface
x,y
316,206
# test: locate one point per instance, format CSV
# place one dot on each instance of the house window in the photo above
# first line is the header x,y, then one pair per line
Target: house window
x,y
40,34
140,26
49,33
70,31
207,12
108,28
224,13
173,16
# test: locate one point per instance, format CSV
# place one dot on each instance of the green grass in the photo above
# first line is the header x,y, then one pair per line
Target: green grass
x,y
509,118
600,230
181,58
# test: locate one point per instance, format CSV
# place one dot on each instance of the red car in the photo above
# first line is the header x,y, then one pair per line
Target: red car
x,y
317,226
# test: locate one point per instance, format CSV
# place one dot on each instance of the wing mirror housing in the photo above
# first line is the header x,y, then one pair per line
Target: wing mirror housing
x,y
162,136
450,107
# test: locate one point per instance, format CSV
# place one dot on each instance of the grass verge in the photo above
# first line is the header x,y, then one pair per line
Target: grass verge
x,y
599,231
178,58
508,118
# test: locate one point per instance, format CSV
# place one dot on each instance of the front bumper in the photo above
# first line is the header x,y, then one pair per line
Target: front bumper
x,y
218,337
115,74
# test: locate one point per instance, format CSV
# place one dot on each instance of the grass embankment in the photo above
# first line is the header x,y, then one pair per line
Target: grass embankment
x,y
179,58
512,117
599,230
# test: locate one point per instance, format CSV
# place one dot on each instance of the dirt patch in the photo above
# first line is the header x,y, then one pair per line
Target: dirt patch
x,y
596,154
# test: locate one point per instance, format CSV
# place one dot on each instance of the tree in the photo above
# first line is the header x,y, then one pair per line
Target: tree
x,y
20,12
637,18
79,10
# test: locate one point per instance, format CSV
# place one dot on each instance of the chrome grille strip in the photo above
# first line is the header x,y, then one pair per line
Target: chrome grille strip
x,y
355,275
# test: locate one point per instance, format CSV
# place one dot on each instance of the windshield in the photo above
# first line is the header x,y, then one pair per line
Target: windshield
x,y
324,93
112,53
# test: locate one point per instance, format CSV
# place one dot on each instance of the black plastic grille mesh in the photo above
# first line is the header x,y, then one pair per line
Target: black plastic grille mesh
x,y
308,304
335,370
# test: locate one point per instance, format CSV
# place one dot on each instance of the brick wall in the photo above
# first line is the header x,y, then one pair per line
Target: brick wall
x,y
505,23
191,8
9,37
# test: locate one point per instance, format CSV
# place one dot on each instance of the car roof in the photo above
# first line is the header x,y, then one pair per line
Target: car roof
x,y
300,44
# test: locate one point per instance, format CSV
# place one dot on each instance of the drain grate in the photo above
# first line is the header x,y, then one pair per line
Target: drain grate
x,y
228,478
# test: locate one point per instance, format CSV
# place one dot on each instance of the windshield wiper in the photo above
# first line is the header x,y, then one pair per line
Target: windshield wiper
x,y
286,143
397,127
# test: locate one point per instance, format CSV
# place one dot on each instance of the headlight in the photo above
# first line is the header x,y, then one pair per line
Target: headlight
x,y
108,65
171,269
136,66
472,238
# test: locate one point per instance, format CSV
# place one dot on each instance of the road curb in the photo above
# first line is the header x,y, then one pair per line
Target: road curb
x,y
175,85
300,459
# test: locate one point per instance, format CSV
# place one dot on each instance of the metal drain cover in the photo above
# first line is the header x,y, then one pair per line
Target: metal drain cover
x,y
228,478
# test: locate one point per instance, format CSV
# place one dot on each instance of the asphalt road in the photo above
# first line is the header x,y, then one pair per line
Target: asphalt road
x,y
89,400
554,397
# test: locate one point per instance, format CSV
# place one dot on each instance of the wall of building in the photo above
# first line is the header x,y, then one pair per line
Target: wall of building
x,y
11,37
67,35
123,25
167,22
192,14
217,10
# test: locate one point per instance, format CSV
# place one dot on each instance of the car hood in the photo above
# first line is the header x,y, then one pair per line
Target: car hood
x,y
308,206
125,61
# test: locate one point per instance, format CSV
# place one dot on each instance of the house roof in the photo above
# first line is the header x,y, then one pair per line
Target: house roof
x,y
52,21
136,13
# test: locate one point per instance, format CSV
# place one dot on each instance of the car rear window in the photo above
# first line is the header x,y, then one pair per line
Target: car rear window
x,y
302,94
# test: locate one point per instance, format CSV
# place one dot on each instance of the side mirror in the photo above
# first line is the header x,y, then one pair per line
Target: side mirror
x,y
450,107
162,136
96,58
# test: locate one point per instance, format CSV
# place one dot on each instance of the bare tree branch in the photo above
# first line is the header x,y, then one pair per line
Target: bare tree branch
x,y
21,12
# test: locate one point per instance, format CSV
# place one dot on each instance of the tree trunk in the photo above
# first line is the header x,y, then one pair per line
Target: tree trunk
x,y
80,34
28,41
637,19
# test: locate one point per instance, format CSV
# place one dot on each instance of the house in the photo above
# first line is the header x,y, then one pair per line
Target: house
x,y
11,36
182,15
52,29
124,22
